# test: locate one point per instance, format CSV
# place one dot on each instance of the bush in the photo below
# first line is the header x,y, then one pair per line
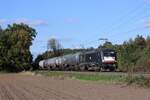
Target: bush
x,y
138,80
143,65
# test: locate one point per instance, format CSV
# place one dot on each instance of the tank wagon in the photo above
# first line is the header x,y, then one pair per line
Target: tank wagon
x,y
96,60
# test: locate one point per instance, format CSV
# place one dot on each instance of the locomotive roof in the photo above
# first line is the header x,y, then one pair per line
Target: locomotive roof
x,y
106,49
99,50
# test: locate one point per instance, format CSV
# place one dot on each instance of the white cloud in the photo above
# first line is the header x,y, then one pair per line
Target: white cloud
x,y
2,21
31,22
72,20
147,24
37,22
147,1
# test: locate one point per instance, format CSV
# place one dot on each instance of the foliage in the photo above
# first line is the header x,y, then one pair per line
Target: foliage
x,y
138,80
134,54
15,42
107,45
36,62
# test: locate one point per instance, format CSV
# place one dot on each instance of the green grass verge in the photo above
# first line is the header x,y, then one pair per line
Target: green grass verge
x,y
102,78
84,77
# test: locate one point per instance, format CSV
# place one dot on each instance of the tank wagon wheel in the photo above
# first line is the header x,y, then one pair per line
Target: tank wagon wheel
x,y
50,68
76,68
67,68
72,67
61,67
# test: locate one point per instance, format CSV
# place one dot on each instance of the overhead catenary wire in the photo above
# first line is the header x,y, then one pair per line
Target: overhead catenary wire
x,y
123,19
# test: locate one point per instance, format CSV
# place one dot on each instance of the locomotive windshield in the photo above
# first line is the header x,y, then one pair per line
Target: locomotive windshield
x,y
110,54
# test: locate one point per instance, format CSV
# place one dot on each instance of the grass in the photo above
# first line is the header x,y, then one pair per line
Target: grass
x,y
101,78
84,77
98,77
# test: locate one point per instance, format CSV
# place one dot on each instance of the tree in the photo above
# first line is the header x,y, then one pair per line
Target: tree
x,y
54,46
15,52
1,47
36,61
1,30
108,45
140,42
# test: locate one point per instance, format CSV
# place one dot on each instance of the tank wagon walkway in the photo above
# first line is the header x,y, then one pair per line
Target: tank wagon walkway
x,y
25,87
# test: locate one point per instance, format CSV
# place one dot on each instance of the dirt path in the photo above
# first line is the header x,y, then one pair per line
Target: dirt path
x,y
23,87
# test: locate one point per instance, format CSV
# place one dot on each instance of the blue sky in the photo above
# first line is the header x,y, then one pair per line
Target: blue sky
x,y
78,23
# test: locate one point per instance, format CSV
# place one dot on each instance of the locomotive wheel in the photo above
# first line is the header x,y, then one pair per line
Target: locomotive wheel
x,y
102,69
83,68
98,70
112,69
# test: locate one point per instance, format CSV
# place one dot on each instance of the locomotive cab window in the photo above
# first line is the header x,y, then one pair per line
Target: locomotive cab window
x,y
109,54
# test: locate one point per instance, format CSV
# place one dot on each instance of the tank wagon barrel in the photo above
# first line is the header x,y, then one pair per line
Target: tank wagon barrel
x,y
71,59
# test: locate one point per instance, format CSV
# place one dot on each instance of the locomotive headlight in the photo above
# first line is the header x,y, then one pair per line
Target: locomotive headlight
x,y
108,60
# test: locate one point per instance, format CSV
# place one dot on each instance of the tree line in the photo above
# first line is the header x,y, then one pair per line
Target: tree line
x,y
15,54
132,54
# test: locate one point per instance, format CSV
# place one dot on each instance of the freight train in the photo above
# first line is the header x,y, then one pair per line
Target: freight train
x,y
95,60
